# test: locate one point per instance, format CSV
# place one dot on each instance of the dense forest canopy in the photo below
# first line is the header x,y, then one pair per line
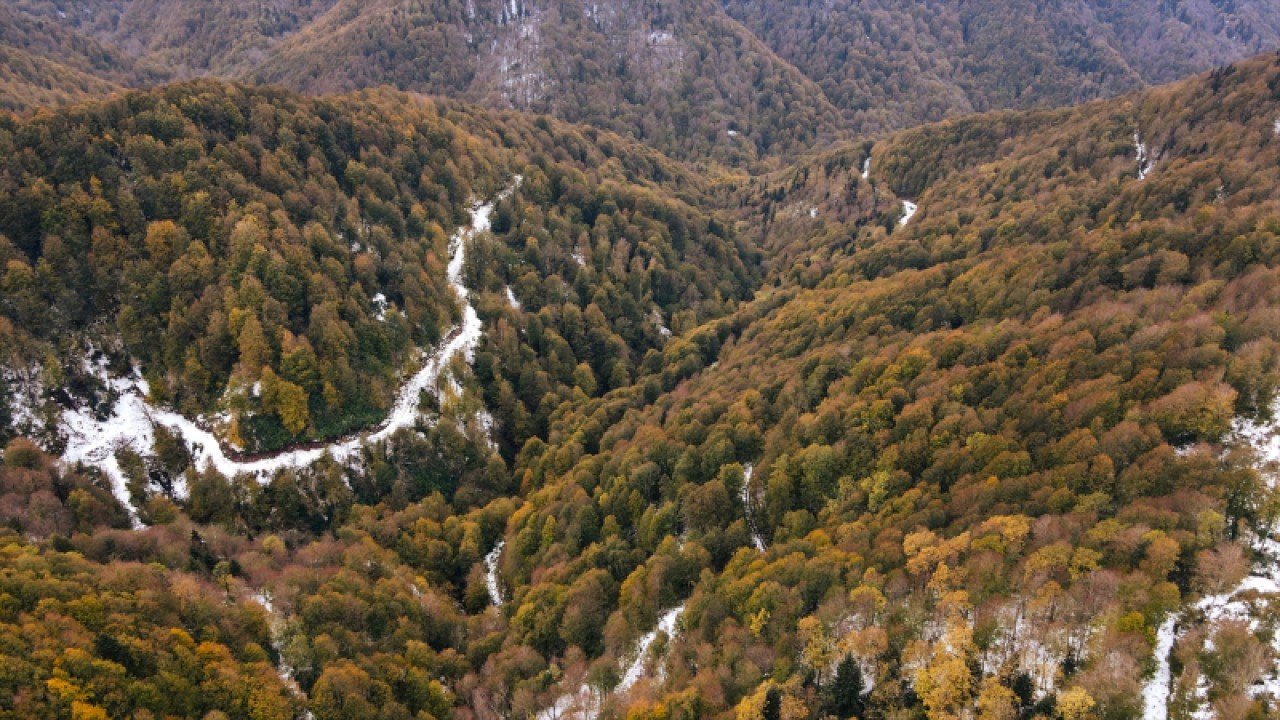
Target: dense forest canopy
x,y
969,462
742,83
737,400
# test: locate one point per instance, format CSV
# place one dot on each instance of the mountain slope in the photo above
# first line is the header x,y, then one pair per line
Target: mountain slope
x,y
889,65
734,83
969,442
679,76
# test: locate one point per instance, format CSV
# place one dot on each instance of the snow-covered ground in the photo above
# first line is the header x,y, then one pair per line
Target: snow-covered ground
x,y
1145,161
94,442
491,573
908,211
584,704
747,508
1155,696
1236,604
655,317
666,624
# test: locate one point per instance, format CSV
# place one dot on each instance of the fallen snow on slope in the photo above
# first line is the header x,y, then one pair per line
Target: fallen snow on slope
x,y
491,573
94,442
584,703
747,502
1263,437
908,211
1155,696
1145,161
666,624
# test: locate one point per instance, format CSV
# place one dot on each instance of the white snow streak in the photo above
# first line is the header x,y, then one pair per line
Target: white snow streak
x,y
491,573
583,704
866,168
94,442
908,211
666,624
1145,161
1155,696
747,501
511,299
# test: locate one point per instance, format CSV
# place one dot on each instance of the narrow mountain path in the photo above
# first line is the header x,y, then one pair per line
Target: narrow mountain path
x,y
94,442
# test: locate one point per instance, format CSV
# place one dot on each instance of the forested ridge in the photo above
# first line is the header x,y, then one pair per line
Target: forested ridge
x,y
962,462
739,83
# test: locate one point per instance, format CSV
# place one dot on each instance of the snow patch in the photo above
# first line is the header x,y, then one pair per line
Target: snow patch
x,y
583,704
666,624
491,573
94,442
380,306
1264,439
1145,161
1155,696
655,317
747,508
908,211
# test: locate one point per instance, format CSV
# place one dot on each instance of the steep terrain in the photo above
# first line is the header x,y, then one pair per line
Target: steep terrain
x,y
976,437
889,64
743,83
984,425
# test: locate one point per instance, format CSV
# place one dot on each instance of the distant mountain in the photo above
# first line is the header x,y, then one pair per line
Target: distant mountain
x,y
678,75
971,419
731,83
890,64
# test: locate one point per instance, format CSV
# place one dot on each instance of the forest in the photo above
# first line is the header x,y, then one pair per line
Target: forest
x,y
744,84
814,455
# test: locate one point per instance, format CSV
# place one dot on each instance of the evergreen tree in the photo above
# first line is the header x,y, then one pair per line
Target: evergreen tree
x,y
844,694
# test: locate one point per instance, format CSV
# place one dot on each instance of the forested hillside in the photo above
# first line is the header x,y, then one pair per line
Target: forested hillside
x,y
743,83
982,450
497,359
959,439
275,263
888,64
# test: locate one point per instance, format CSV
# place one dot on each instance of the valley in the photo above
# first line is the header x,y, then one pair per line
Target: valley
x,y
639,361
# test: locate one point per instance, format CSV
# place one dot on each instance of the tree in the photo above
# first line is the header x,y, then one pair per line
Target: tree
x,y
287,400
945,682
1075,704
844,693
